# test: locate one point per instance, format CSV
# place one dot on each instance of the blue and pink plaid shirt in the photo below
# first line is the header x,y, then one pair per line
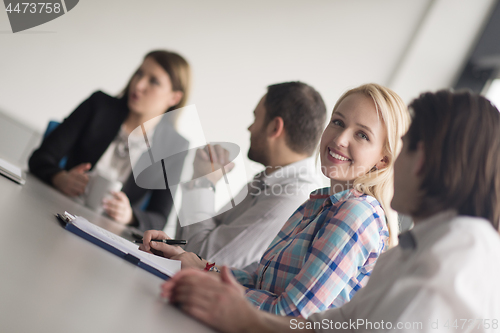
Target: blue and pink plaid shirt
x,y
324,253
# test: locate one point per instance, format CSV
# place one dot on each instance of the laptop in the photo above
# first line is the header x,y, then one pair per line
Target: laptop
x,y
12,172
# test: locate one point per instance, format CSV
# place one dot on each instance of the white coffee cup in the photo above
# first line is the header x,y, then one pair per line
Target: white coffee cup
x,y
98,188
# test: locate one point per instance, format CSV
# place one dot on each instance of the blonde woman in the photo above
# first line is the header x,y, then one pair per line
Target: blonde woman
x,y
326,251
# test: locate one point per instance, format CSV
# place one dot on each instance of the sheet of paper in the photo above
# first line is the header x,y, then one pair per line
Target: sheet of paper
x,y
116,241
10,168
164,265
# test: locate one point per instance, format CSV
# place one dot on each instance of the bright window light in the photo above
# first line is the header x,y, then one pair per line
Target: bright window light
x,y
493,93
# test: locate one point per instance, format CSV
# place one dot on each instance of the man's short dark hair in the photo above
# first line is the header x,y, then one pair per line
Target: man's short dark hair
x,y
460,133
302,110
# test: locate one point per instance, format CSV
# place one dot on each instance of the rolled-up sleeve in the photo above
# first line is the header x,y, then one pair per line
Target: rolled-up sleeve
x,y
245,278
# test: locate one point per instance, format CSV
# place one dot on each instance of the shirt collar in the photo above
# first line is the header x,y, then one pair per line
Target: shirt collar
x,y
323,193
407,240
419,234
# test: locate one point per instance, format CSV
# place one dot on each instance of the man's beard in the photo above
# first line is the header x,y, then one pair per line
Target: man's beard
x,y
257,154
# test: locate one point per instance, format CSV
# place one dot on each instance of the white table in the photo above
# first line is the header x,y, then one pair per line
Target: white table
x,y
54,281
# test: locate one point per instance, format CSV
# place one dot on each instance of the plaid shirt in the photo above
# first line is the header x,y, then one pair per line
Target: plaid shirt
x,y
324,253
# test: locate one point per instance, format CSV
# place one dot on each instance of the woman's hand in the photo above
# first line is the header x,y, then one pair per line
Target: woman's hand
x,y
161,249
217,300
72,182
118,208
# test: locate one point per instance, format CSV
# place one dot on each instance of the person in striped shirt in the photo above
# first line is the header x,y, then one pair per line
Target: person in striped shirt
x,y
326,250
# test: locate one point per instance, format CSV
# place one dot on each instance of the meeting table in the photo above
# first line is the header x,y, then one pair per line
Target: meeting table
x,y
54,281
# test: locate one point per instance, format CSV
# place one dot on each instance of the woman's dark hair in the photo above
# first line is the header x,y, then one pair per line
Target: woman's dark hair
x,y
177,69
460,132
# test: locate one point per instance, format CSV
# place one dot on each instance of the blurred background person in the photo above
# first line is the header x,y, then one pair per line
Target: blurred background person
x,y
95,137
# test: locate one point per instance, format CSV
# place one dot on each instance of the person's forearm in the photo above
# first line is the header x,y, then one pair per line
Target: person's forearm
x,y
57,178
256,321
266,322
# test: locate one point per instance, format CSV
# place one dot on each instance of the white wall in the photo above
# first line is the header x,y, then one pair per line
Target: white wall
x,y
235,48
493,93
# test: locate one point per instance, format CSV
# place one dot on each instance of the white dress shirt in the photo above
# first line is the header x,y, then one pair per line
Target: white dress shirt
x,y
123,152
239,236
443,277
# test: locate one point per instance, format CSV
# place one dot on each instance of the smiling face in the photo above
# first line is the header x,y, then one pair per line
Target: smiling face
x,y
352,143
150,92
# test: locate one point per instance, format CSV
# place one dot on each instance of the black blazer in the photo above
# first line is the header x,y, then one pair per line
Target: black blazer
x,y
85,135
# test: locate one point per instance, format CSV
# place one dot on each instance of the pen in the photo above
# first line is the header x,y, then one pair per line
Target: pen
x,y
166,241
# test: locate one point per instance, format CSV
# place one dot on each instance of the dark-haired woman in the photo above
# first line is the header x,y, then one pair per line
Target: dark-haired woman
x,y
95,136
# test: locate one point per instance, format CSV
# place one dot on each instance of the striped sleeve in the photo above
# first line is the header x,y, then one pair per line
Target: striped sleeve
x,y
245,278
342,243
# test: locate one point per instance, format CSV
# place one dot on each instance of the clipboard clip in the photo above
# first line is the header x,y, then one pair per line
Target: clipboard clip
x,y
66,217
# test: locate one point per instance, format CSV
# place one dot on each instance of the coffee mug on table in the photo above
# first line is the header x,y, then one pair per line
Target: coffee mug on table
x,y
98,188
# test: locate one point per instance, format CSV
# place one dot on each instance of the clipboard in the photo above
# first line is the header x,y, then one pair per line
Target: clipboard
x,y
162,267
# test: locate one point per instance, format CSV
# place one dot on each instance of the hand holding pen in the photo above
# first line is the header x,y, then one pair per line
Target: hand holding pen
x,y
165,241
157,242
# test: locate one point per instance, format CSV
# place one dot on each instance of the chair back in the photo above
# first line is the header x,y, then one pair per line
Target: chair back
x,y
50,127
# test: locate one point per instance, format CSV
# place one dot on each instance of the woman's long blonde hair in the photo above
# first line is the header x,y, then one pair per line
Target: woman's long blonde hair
x,y
380,183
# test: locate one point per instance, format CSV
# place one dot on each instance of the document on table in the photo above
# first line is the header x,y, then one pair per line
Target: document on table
x,y
164,265
11,171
